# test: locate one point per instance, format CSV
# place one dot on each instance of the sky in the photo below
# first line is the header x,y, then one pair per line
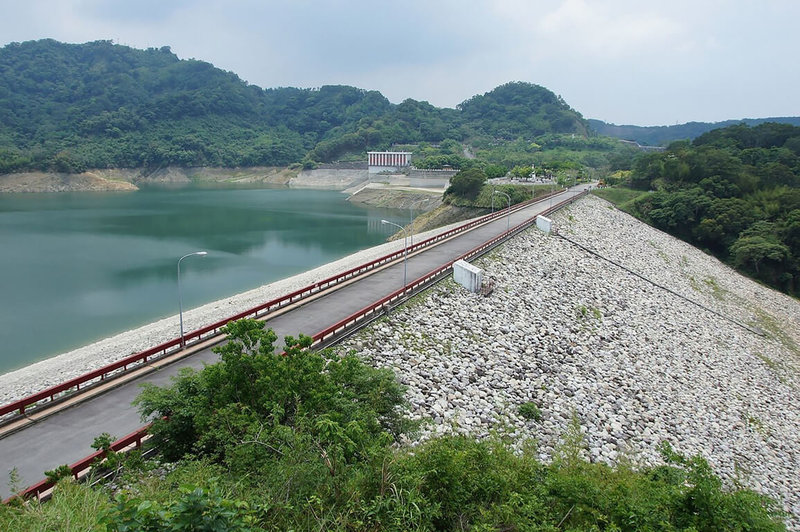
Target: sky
x,y
622,61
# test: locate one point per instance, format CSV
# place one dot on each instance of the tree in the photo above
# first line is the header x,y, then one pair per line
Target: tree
x,y
257,405
495,170
467,183
521,172
754,250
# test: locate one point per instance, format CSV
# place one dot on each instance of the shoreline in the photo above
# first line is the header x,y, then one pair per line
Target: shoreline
x,y
40,375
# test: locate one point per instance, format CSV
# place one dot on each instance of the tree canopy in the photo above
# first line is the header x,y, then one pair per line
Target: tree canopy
x,y
734,191
69,107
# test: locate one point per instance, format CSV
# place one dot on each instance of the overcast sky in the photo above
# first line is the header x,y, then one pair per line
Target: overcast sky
x,y
622,61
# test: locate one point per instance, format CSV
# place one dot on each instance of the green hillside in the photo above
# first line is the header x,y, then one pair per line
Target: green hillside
x,y
734,192
663,135
68,107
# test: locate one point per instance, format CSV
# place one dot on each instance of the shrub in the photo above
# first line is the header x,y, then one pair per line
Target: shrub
x,y
466,183
268,403
529,411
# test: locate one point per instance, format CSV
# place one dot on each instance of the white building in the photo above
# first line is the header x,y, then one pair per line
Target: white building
x,y
387,161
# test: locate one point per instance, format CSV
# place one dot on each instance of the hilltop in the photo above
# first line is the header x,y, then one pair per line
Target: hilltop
x,y
663,135
71,107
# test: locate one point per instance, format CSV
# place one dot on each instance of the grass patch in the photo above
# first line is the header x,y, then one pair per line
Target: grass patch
x,y
772,327
717,292
530,411
73,508
756,424
583,312
771,364
621,197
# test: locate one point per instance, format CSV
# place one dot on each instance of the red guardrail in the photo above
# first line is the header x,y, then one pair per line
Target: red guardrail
x,y
82,466
94,377
327,335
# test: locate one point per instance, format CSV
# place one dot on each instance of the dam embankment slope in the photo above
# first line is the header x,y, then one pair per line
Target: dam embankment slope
x,y
669,354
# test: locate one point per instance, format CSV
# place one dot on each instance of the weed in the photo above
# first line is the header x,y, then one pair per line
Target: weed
x,y
694,284
570,451
771,364
770,325
776,368
716,291
756,424
530,411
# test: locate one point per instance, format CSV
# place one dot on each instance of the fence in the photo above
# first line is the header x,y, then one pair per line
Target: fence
x,y
83,466
325,337
98,376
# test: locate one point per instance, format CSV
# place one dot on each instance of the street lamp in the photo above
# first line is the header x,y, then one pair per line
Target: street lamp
x,y
405,247
180,303
508,217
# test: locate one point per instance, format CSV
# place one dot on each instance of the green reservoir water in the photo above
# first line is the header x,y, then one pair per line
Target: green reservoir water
x,y
79,267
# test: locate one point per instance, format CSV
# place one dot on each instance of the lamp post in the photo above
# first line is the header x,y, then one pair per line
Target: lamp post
x,y
180,303
405,246
508,217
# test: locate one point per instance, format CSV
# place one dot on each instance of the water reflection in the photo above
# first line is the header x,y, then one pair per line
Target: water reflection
x,y
80,267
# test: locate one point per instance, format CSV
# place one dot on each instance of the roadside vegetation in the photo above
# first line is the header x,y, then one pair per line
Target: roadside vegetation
x,y
470,188
305,440
621,196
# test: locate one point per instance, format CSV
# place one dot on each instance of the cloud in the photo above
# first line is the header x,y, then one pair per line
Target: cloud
x,y
619,60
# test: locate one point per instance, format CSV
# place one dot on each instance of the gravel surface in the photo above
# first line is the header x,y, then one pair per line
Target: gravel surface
x,y
636,364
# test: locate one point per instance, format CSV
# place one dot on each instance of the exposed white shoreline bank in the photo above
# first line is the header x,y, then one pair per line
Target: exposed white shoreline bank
x,y
30,379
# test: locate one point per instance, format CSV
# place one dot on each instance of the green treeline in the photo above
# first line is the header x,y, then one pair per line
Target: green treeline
x,y
733,191
68,107
663,135
308,440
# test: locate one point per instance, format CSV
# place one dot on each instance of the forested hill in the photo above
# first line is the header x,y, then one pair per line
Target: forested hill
x,y
663,135
734,192
68,107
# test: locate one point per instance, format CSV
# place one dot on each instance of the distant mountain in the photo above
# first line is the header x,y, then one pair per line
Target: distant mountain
x,y
663,135
68,107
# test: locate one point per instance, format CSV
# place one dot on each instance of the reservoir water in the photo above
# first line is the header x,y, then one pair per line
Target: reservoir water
x,y
78,267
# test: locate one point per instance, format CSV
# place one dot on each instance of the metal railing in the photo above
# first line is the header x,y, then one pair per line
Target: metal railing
x,y
115,369
370,312
82,467
321,339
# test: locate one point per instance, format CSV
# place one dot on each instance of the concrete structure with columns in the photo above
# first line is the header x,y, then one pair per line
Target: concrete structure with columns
x,y
387,161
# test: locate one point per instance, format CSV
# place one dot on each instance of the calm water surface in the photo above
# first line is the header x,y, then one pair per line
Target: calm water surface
x,y
78,267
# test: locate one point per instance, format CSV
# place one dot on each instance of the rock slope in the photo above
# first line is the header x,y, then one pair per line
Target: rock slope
x,y
584,338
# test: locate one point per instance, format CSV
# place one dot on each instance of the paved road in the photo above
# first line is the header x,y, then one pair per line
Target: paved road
x,y
66,437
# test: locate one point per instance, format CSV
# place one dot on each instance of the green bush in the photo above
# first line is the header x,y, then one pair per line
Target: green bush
x,y
530,410
265,402
466,183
